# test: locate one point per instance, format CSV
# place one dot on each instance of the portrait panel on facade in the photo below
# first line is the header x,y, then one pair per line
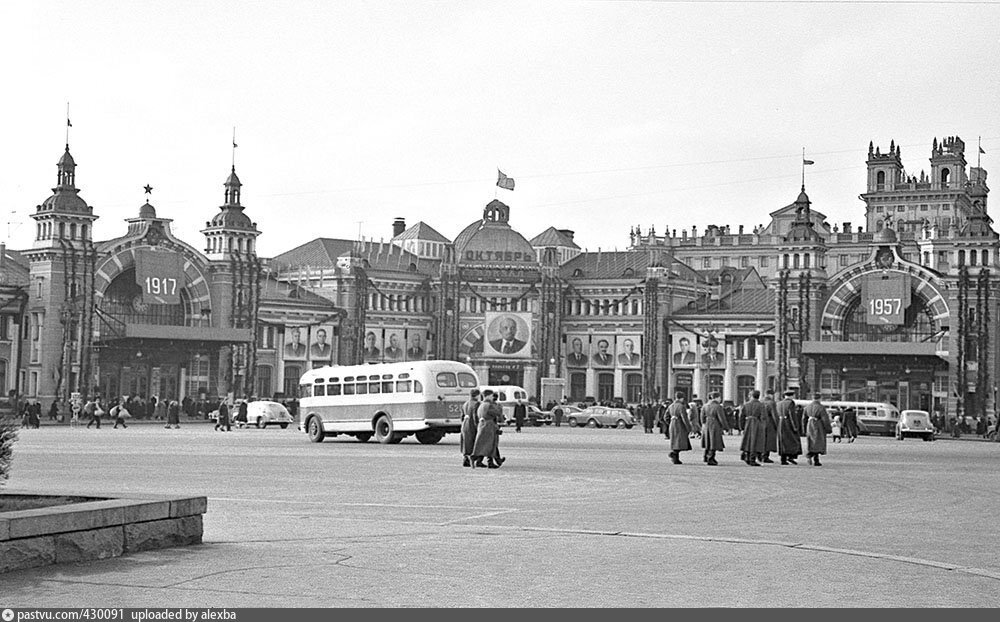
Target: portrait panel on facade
x,y
416,344
394,345
712,347
321,344
684,349
602,351
629,351
371,345
296,343
577,350
508,335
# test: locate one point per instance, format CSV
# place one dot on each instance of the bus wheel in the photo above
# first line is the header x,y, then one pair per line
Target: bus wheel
x,y
383,430
314,428
363,437
429,437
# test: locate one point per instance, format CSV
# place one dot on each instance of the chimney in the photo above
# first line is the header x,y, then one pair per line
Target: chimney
x,y
568,233
398,226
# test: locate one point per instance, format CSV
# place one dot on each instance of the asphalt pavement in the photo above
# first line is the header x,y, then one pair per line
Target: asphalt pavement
x,y
575,517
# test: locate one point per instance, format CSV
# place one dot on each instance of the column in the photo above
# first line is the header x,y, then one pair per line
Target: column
x,y
671,382
182,386
619,384
591,384
482,372
531,380
761,356
698,384
729,376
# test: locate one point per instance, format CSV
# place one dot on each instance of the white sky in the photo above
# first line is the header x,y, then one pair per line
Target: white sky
x,y
607,114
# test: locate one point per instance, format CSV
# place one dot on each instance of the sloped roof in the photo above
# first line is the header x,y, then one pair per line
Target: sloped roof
x,y
617,264
319,253
16,270
553,237
274,291
323,253
422,231
740,301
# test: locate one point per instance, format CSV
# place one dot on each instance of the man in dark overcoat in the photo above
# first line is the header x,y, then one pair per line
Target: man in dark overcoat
x,y
680,428
647,417
789,442
770,425
713,425
488,432
851,424
470,421
816,430
752,446
520,414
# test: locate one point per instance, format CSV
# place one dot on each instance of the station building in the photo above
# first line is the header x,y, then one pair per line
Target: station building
x,y
898,308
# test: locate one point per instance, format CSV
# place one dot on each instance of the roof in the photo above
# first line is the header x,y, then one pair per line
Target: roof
x,y
553,237
14,269
324,252
422,231
619,265
740,301
272,291
232,217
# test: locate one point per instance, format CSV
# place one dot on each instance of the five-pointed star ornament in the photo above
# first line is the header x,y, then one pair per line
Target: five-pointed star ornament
x,y
148,189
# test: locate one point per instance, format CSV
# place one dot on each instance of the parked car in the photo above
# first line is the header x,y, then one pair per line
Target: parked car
x,y
538,417
601,416
915,423
261,414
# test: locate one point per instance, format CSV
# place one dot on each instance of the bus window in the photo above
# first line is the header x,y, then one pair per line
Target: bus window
x,y
374,387
333,380
362,378
349,379
417,387
404,376
386,376
333,389
501,396
319,390
466,380
446,380
387,387
361,388
519,395
402,386
306,391
348,388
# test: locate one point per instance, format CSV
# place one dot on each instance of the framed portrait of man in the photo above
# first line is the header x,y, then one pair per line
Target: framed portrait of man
x,y
416,345
684,349
371,349
603,352
629,351
577,351
508,335
712,350
320,344
394,345
296,338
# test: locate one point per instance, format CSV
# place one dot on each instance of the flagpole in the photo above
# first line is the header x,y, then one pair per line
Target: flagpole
x,y
67,125
234,147
979,153
803,167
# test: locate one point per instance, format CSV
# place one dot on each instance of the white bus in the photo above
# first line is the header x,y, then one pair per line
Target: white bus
x,y
873,417
389,401
507,396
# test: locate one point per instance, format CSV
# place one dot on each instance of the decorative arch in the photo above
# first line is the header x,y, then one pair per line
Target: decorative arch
x,y
195,282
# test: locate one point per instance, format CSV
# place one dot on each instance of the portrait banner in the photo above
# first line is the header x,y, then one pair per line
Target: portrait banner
x,y
711,346
394,345
508,335
321,344
577,350
371,345
416,344
296,340
629,351
684,349
602,351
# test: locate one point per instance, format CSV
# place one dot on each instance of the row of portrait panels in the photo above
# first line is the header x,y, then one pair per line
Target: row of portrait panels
x,y
603,351
387,345
690,349
312,343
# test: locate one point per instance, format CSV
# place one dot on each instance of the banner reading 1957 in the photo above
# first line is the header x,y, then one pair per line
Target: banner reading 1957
x,y
885,298
160,276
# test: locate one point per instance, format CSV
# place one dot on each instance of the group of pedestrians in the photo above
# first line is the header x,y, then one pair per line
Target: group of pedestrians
x,y
480,435
768,427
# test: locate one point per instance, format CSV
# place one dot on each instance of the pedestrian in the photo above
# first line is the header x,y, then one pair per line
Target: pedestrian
x,y
173,415
850,424
488,432
160,412
679,428
835,428
557,414
646,412
816,430
770,425
752,445
789,441
222,423
119,412
470,421
714,418
520,412
54,410
92,409
694,417
241,414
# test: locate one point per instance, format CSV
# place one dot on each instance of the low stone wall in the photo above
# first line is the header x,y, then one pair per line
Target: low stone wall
x,y
110,526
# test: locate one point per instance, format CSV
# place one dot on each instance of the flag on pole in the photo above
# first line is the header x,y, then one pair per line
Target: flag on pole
x,y
807,162
503,181
68,124
981,150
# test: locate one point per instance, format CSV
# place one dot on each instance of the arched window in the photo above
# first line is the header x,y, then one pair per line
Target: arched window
x,y
744,386
83,232
795,260
986,258
973,256
961,258
945,175
880,180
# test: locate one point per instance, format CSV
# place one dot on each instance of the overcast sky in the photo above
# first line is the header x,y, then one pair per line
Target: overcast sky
x,y
607,114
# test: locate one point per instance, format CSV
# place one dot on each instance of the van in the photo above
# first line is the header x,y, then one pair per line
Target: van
x,y
507,396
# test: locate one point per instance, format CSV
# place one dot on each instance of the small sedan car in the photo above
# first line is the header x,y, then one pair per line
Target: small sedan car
x,y
538,417
601,416
260,414
915,423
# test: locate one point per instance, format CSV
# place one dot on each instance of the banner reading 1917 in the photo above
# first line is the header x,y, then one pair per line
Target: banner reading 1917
x,y
885,297
159,275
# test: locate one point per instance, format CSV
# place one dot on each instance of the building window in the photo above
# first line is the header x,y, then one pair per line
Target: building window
x,y
715,384
744,386
900,208
291,381
706,262
633,388
4,328
605,387
577,386
986,258
829,382
923,208
880,180
744,262
945,175
842,260
263,381
763,261
878,210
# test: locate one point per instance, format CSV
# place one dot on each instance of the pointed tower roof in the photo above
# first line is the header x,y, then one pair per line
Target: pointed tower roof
x,y
65,195
231,214
802,229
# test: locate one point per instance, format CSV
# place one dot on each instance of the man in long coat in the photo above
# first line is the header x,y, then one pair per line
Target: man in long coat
x,y
488,432
851,424
789,442
816,430
770,426
752,446
714,424
680,428
470,421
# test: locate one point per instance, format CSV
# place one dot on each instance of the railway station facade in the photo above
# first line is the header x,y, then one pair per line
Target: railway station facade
x,y
898,308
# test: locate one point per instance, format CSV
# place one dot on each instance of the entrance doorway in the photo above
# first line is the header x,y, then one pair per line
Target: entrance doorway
x,y
506,377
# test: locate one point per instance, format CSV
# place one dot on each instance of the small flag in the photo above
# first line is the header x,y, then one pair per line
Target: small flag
x,y
235,145
68,124
807,162
981,150
503,181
